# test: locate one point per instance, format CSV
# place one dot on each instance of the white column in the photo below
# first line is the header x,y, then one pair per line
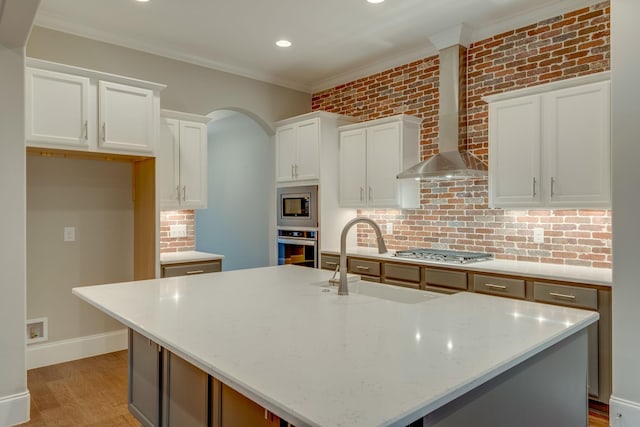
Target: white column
x,y
16,20
625,67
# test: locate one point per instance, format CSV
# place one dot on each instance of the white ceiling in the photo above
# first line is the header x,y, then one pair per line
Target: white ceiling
x,y
334,41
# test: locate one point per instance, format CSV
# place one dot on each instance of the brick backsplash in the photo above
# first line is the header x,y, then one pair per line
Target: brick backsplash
x,y
456,215
177,244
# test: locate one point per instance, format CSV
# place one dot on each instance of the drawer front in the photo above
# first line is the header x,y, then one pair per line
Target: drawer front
x,y
191,268
501,286
450,279
571,296
361,266
329,262
405,273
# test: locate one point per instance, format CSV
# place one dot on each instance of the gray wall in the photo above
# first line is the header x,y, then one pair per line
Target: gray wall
x,y
625,68
191,88
94,197
241,191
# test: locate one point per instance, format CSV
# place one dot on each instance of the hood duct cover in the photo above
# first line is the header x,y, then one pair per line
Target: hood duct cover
x,y
450,163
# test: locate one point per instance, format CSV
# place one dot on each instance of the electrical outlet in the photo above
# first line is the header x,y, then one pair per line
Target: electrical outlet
x,y
179,230
538,235
389,228
69,234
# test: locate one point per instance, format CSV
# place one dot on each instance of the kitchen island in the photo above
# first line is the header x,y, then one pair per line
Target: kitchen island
x,y
283,338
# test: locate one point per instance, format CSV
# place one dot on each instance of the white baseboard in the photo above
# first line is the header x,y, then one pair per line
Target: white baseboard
x,y
50,353
14,409
623,413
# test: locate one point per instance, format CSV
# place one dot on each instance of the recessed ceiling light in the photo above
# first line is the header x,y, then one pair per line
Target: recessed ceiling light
x,y
375,1
283,43
142,1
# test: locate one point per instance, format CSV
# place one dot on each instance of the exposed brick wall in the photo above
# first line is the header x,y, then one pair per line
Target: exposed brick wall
x,y
455,215
177,244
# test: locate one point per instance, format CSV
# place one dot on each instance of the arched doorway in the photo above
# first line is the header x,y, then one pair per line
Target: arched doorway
x,y
238,222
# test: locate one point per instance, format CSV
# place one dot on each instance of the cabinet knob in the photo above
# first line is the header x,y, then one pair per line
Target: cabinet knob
x,y
104,131
553,181
534,186
184,193
86,129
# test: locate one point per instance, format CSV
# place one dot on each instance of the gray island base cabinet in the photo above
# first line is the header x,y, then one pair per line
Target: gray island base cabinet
x,y
550,389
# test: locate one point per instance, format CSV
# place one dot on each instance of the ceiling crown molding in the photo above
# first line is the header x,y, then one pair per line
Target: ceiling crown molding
x,y
58,24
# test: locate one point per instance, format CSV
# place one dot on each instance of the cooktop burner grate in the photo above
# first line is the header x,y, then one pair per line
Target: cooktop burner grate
x,y
457,257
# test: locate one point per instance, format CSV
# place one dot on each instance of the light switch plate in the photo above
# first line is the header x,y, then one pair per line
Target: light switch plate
x,y
179,230
69,234
538,235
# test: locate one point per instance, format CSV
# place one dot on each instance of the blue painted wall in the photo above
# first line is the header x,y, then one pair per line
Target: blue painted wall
x,y
241,185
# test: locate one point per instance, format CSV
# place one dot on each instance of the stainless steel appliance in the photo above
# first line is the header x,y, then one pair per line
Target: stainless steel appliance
x,y
298,206
298,247
456,257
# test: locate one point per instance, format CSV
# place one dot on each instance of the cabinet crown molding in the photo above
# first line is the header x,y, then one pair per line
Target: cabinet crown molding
x,y
316,114
548,87
402,118
179,115
98,75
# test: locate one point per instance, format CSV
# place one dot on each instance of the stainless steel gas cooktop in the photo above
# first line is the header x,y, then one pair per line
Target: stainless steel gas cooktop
x,y
456,257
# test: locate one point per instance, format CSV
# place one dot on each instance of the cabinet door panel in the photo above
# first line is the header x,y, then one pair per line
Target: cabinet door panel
x,y
577,146
286,151
125,117
383,164
514,153
238,411
353,168
57,109
193,164
168,157
144,379
308,138
185,393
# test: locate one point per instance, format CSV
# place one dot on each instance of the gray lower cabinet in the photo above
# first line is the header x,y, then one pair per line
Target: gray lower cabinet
x,y
144,379
185,393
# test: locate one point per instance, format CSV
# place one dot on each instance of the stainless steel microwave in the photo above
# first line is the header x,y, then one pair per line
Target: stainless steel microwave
x,y
298,206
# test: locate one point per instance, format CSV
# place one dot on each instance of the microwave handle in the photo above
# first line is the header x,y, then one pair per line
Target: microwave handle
x,y
304,242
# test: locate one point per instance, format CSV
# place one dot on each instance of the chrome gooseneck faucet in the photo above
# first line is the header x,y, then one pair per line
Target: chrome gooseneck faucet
x,y
343,288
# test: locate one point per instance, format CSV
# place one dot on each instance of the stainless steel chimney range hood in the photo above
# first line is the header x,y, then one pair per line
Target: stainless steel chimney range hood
x,y
450,162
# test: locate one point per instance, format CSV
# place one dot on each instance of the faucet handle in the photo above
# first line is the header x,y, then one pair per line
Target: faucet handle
x,y
333,281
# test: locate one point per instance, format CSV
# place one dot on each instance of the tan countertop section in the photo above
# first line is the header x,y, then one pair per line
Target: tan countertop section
x,y
187,256
567,273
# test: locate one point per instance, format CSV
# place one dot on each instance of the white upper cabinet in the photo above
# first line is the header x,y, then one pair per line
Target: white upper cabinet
x,y
371,155
577,144
71,108
514,152
57,108
125,117
552,148
182,161
297,149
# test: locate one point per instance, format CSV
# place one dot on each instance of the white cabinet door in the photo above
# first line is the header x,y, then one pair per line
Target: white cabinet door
x,y
353,168
383,164
577,146
168,163
514,153
125,117
193,165
57,109
286,153
307,165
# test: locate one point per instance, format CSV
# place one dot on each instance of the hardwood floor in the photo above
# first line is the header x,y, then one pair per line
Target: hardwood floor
x,y
85,392
93,392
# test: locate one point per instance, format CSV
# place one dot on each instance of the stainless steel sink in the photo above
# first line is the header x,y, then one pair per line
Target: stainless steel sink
x,y
387,292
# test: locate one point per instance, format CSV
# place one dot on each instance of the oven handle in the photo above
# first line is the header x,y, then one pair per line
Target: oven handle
x,y
304,242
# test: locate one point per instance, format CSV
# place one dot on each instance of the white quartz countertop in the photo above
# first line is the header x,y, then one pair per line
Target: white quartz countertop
x,y
318,359
187,256
567,273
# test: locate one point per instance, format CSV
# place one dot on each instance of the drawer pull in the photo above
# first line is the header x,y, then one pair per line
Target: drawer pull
x,y
565,296
330,263
492,286
195,272
362,267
